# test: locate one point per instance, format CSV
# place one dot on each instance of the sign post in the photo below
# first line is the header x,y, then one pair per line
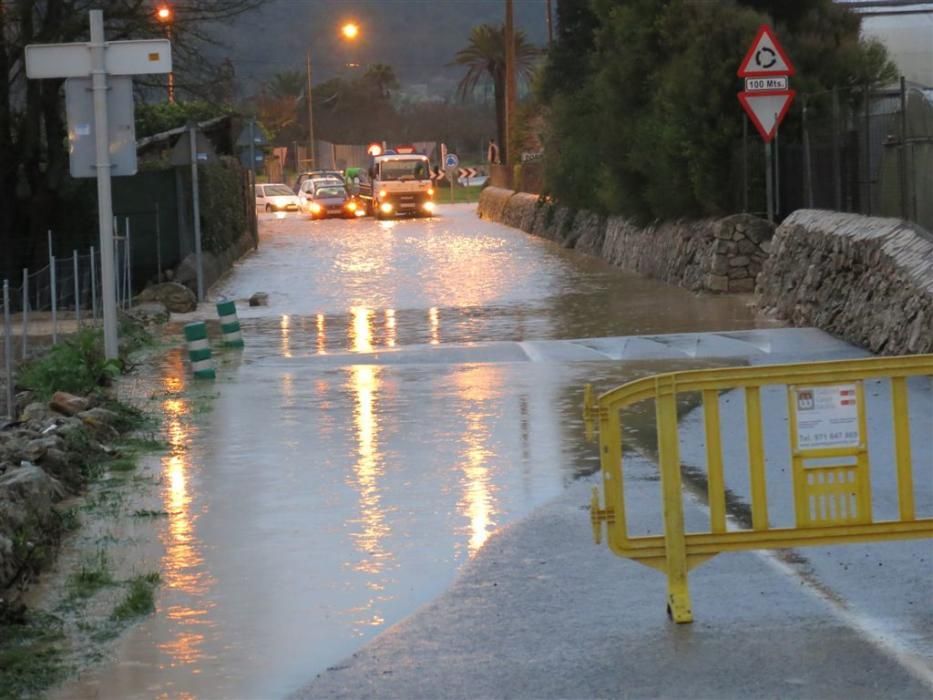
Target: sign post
x,y
451,163
99,59
767,97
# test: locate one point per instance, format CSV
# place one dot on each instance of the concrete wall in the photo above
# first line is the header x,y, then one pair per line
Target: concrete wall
x,y
868,280
716,255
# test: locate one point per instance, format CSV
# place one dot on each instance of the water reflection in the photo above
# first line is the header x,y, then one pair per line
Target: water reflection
x,y
182,563
435,322
478,388
321,335
390,327
285,346
371,528
361,332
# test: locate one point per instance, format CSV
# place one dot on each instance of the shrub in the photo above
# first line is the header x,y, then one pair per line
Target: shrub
x,y
76,365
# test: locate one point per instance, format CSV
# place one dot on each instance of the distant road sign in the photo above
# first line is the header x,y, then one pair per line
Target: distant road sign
x,y
451,161
766,57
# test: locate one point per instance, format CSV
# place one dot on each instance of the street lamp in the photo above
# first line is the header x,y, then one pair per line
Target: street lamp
x,y
166,15
350,31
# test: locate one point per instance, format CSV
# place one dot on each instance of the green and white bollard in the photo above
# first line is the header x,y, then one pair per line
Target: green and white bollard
x,y
229,324
199,350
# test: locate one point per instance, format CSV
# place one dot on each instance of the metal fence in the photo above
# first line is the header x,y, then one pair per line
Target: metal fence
x,y
868,151
60,298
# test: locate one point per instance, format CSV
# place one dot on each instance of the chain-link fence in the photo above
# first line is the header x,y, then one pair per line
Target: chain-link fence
x,y
868,151
44,305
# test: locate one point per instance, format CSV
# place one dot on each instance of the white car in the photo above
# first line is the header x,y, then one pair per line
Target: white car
x,y
275,197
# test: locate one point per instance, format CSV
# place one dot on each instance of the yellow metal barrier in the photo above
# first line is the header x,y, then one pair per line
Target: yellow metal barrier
x,y
827,421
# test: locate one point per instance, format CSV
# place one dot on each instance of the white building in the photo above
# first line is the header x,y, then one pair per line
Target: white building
x,y
906,30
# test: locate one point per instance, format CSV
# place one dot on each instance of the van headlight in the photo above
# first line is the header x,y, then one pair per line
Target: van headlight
x,y
315,208
385,208
428,207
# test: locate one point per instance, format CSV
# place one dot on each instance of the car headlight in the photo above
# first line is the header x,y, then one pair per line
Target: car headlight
x,y
315,208
385,207
351,206
428,207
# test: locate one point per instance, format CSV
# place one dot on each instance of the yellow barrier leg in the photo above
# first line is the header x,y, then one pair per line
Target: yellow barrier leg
x,y
675,543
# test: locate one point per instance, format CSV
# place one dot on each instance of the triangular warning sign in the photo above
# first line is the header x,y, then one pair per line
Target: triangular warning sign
x,y
765,57
767,110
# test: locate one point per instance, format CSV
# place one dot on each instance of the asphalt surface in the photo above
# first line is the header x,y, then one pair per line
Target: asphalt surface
x,y
542,612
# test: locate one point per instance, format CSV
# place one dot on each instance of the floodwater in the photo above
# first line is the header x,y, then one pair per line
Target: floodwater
x,y
399,400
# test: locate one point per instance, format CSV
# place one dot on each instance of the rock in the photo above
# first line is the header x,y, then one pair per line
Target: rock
x,y
101,422
739,261
742,285
149,313
35,411
68,404
34,450
720,264
176,297
23,399
717,283
259,299
27,498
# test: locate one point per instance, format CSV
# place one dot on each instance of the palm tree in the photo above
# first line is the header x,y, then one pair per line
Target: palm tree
x,y
382,79
290,83
484,58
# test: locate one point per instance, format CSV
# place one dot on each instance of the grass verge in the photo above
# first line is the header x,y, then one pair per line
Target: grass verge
x,y
139,599
462,195
31,656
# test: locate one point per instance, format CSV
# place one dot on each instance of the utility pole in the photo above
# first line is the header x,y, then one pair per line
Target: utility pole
x,y
550,24
310,117
509,83
104,193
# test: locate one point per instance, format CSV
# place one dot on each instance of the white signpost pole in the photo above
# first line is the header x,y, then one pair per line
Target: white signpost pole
x,y
104,195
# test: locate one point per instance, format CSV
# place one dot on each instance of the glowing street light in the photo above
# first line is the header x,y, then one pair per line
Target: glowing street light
x,y
350,31
164,13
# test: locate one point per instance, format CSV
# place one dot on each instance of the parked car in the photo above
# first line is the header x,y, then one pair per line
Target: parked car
x,y
276,197
331,198
317,175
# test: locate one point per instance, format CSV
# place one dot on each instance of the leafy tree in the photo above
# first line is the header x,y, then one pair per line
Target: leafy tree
x,y
157,117
36,192
642,95
484,59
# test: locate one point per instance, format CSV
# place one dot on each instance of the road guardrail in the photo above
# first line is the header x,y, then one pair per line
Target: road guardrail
x,y
827,448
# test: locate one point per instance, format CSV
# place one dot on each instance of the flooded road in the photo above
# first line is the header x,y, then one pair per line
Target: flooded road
x,y
403,396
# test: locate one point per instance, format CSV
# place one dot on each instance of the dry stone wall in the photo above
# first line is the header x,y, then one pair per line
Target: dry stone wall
x,y
868,280
715,255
